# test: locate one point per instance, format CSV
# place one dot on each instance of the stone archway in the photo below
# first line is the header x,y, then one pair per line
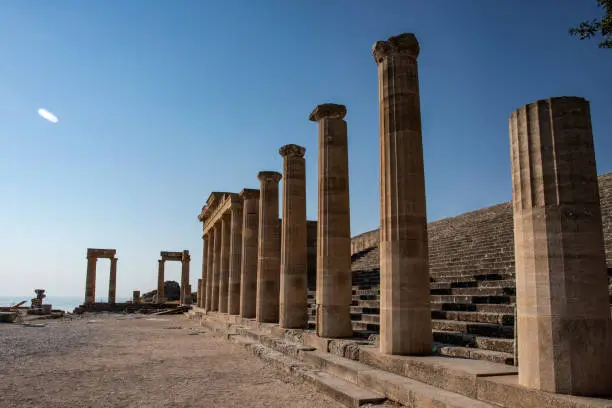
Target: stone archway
x,y
184,258
90,284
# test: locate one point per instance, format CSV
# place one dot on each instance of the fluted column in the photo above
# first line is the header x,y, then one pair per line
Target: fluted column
x,y
160,281
233,301
209,266
563,309
226,221
202,286
250,232
405,314
185,286
112,281
200,292
334,292
294,257
214,306
268,252
90,280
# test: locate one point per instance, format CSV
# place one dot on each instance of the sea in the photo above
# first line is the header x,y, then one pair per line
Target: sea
x,y
65,303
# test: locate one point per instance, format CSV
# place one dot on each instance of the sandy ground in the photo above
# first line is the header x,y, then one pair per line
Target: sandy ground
x,y
138,361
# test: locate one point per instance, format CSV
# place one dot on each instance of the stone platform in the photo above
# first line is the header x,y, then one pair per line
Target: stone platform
x,y
336,365
122,307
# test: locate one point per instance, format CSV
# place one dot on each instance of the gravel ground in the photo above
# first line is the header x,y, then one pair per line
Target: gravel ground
x,y
138,361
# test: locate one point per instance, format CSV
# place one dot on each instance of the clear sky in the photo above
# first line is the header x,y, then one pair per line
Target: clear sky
x,y
162,102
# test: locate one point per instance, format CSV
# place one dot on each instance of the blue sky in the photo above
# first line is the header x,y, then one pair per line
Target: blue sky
x,y
162,102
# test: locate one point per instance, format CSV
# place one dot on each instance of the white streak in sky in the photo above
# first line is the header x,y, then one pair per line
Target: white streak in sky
x,y
47,115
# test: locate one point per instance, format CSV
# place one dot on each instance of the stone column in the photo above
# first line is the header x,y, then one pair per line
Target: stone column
x,y
250,232
90,280
334,291
202,286
136,296
563,309
268,250
160,281
209,261
214,305
405,314
112,281
185,287
233,302
226,226
294,257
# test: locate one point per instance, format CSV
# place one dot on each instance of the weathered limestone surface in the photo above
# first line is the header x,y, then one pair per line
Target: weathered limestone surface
x,y
90,281
224,267
563,310
214,306
210,268
160,280
112,281
202,286
233,305
185,287
293,273
334,294
405,316
250,232
268,252
201,292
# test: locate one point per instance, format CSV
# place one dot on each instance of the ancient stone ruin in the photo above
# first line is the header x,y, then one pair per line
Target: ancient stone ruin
x,y
184,258
90,284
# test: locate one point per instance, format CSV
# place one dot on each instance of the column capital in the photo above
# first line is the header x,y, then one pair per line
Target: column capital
x,y
328,110
400,44
248,193
269,176
292,150
114,259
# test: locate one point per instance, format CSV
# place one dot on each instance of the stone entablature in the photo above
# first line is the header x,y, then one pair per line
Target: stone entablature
x,y
217,205
101,253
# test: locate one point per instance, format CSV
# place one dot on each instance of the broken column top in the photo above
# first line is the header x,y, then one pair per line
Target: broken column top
x,y
292,150
400,44
248,193
328,110
269,175
558,99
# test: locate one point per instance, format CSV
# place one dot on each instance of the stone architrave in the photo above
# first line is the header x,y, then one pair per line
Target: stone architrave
x,y
112,281
160,281
563,309
268,252
226,221
202,286
209,277
294,256
185,286
334,291
233,301
90,281
405,314
214,305
250,232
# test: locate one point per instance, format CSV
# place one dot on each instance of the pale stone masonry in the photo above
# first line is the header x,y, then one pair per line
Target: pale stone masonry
x,y
200,296
90,280
250,232
293,272
202,284
224,267
563,308
268,252
405,314
112,281
214,305
160,281
209,266
233,302
334,292
185,286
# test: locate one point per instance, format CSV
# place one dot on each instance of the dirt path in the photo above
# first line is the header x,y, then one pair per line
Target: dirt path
x,y
113,361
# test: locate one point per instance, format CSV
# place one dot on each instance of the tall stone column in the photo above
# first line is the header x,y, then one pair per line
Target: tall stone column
x,y
112,281
160,281
268,251
202,286
250,232
209,260
294,257
214,305
563,310
90,280
233,301
200,291
185,287
405,314
334,291
226,225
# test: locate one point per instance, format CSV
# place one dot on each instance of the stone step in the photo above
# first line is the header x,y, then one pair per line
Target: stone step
x,y
474,354
472,299
480,329
492,318
471,277
474,341
475,291
468,307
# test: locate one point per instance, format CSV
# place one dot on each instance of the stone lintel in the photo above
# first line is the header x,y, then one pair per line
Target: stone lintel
x,y
248,193
328,110
400,44
213,201
269,175
101,253
292,150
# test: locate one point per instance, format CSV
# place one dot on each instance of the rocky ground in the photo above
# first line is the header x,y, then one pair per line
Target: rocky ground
x,y
138,361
